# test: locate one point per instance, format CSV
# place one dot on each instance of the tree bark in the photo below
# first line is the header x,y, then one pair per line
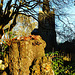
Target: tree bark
x,y
22,54
1,33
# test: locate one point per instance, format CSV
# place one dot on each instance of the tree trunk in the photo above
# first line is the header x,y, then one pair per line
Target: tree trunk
x,y
1,33
22,54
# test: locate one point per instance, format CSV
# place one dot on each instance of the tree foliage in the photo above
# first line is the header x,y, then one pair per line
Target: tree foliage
x,y
24,25
10,9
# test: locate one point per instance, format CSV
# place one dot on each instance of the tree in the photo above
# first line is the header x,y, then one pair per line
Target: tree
x,y
12,9
26,7
24,26
64,26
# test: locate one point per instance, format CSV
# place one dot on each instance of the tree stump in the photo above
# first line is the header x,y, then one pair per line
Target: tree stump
x,y
22,54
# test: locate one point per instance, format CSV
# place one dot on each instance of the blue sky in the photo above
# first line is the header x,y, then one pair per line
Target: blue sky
x,y
70,11
71,18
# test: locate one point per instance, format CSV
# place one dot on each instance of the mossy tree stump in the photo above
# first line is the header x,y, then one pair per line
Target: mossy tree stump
x,y
22,54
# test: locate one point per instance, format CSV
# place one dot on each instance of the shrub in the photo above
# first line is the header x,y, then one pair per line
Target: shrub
x,y
51,64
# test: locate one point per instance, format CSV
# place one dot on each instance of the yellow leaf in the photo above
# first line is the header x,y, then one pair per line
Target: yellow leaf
x,y
1,4
0,26
20,1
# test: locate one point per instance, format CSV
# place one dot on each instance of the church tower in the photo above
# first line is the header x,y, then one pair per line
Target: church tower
x,y
46,26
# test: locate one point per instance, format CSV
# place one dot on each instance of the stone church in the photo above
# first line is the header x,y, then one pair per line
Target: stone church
x,y
46,27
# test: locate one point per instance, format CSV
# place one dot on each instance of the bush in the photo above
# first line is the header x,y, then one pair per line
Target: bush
x,y
51,64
